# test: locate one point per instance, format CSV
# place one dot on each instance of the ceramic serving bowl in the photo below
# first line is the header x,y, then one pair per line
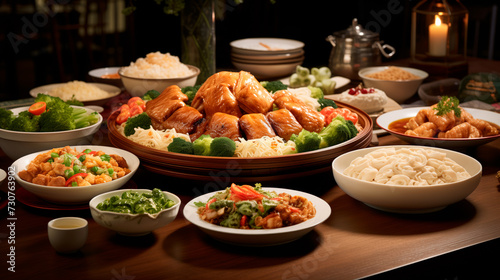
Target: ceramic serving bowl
x,y
407,199
16,144
75,195
139,86
133,224
400,91
99,76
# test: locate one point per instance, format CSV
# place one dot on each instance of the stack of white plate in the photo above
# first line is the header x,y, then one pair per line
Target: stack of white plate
x,y
267,58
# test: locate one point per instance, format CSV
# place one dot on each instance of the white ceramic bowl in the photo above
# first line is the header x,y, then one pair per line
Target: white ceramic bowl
x,y
75,195
400,91
268,71
407,199
139,86
133,224
16,144
259,46
97,74
259,237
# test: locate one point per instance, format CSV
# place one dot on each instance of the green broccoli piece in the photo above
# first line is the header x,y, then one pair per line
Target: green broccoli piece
x,y
56,120
323,102
201,146
51,101
25,121
141,120
181,146
316,92
6,117
190,92
273,86
306,141
338,130
150,95
222,147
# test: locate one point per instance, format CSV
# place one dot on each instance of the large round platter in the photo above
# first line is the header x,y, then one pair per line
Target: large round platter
x,y
242,169
384,120
259,237
110,89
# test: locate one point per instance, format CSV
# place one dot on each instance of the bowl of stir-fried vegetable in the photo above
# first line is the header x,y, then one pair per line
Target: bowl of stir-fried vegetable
x,y
49,122
134,212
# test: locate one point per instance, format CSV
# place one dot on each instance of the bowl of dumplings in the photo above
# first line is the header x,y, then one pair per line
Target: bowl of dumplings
x,y
407,179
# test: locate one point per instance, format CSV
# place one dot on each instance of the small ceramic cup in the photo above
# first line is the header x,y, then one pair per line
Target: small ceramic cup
x,y
67,234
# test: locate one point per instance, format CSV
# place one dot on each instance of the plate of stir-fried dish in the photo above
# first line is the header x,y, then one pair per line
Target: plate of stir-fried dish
x,y
256,216
444,124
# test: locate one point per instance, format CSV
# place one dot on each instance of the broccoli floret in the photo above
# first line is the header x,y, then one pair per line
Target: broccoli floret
x,y
150,95
222,147
141,120
339,130
323,102
201,146
56,120
316,92
181,146
216,147
306,141
6,117
25,121
52,101
190,92
273,86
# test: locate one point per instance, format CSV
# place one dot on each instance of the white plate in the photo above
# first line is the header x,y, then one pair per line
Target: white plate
x,y
254,45
259,237
384,120
339,81
111,90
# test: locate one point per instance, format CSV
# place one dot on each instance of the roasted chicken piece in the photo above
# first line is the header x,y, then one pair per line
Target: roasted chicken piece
x,y
284,123
183,120
221,99
224,78
199,129
251,95
256,126
308,118
463,130
427,129
163,106
223,125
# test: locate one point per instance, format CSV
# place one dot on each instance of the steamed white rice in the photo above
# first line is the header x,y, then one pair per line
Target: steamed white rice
x,y
81,90
157,66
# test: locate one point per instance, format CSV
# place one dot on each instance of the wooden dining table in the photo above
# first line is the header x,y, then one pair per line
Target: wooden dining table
x,y
462,241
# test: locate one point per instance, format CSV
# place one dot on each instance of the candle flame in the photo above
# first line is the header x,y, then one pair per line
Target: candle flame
x,y
437,21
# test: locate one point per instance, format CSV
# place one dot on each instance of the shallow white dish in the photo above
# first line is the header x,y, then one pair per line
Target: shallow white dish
x,y
259,237
133,224
268,56
407,199
267,71
384,120
400,91
16,144
3,175
277,45
110,89
75,195
97,74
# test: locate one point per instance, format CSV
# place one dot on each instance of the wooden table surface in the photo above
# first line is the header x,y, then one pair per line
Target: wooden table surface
x,y
355,242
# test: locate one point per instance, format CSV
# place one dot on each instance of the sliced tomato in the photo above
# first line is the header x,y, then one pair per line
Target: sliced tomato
x,y
73,178
245,192
243,220
38,108
123,117
327,111
345,113
124,107
136,101
136,110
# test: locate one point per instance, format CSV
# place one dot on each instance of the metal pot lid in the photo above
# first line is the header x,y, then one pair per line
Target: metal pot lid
x,y
356,31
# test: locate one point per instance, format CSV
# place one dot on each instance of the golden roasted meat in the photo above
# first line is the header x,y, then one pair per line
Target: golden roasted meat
x,y
163,106
463,130
284,123
223,125
427,129
251,95
224,78
308,118
183,120
256,126
221,99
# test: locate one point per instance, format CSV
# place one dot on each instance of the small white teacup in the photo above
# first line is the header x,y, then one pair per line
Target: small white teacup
x,y
67,234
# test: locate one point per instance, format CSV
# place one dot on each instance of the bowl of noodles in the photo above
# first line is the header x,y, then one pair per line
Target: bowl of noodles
x,y
398,83
407,179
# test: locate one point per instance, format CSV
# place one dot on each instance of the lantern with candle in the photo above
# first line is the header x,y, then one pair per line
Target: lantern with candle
x,y
439,38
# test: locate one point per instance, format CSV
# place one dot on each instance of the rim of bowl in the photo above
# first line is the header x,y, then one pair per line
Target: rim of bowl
x,y
92,72
423,75
99,196
191,67
369,149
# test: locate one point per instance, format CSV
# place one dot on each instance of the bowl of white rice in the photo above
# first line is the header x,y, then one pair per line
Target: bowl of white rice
x,y
157,71
87,93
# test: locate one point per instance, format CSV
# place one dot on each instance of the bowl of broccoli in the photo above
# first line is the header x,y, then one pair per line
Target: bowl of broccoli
x,y
25,130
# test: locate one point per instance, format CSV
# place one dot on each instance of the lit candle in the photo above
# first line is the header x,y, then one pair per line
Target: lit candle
x,y
438,33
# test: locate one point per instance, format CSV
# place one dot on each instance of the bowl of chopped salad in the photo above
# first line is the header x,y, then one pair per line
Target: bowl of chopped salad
x,y
255,216
134,212
74,175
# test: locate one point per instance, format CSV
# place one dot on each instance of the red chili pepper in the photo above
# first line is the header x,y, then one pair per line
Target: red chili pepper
x,y
245,192
210,202
73,178
294,209
243,220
